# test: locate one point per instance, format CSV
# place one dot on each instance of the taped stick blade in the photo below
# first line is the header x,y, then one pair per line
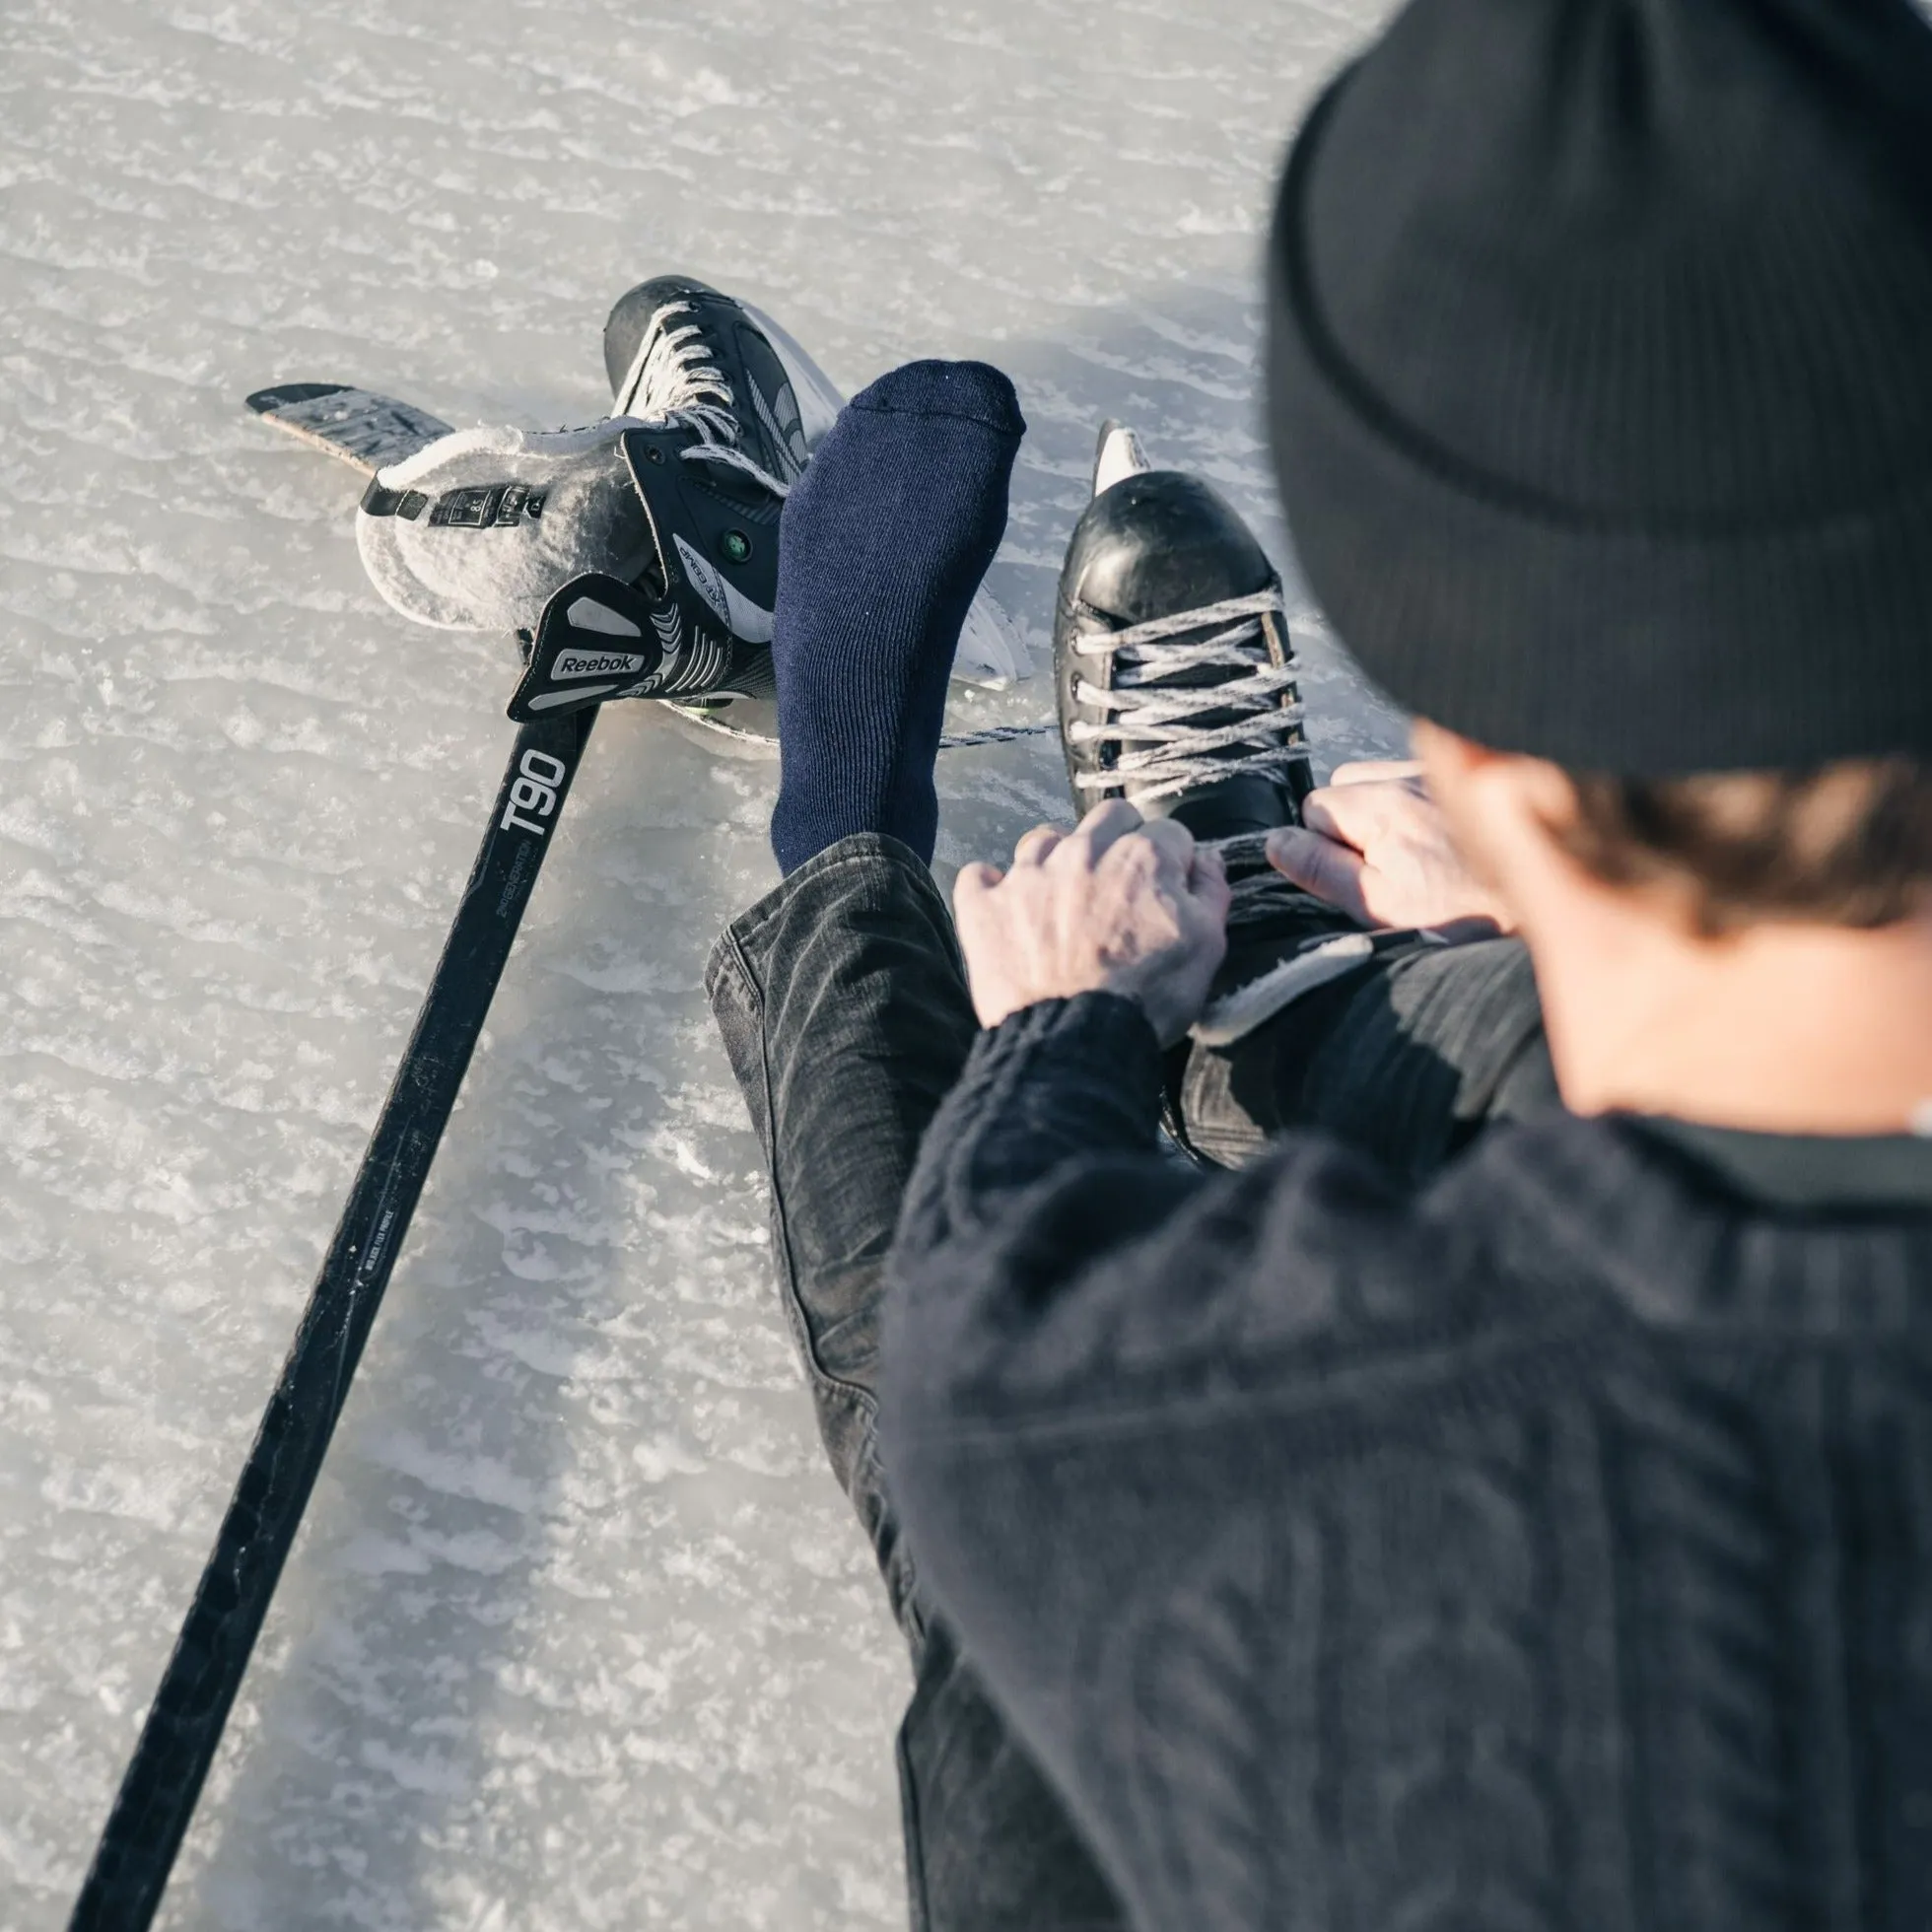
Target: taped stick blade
x,y
357,427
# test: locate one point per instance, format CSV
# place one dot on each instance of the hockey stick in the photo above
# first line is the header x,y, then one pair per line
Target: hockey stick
x,y
183,1726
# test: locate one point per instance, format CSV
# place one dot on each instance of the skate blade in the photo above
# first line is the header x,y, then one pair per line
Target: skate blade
x,y
747,727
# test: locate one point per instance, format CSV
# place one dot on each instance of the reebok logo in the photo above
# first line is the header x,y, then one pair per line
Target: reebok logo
x,y
594,664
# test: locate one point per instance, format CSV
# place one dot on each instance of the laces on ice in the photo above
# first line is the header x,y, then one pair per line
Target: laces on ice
x,y
1177,751
672,380
1164,745
765,744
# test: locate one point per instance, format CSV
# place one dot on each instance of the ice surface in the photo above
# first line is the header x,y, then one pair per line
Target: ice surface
x,y
580,1634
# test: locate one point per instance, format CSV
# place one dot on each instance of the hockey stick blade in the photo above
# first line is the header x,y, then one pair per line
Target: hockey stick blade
x,y
183,1725
361,429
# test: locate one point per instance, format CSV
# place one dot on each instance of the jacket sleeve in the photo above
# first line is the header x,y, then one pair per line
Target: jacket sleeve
x,y
1098,1359
1052,1263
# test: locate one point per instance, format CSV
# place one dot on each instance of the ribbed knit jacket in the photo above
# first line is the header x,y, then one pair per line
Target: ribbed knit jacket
x,y
1548,1547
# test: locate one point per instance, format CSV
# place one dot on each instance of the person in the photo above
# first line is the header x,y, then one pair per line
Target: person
x,y
843,1003
1380,1330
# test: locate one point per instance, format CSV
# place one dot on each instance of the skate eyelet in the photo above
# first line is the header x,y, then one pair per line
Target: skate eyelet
x,y
653,453
736,546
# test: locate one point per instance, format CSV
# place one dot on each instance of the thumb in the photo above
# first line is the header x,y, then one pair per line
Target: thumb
x,y
1332,871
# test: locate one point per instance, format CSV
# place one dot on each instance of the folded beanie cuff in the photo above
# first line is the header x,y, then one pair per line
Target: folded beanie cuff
x,y
1642,652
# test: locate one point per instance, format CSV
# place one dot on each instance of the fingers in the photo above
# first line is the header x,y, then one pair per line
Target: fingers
x,y
1120,905
1324,812
1105,825
1156,858
1359,812
1320,866
1176,860
1208,885
972,882
1035,846
1114,830
1366,771
1173,843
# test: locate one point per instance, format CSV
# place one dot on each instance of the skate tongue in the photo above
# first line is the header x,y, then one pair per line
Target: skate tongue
x,y
597,639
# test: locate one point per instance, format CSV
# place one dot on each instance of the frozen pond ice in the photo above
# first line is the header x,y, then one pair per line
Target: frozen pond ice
x,y
579,1634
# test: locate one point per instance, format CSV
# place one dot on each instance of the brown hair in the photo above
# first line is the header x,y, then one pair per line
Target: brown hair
x,y
1846,844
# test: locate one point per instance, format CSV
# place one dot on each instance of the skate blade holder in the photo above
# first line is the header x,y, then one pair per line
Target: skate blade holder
x,y
597,639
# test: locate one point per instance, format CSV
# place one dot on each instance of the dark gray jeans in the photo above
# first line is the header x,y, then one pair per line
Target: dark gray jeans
x,y
844,1008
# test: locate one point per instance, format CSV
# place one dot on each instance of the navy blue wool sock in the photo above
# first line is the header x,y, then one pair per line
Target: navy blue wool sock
x,y
882,544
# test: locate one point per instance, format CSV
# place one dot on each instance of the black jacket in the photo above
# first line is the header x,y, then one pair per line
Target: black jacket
x,y
1547,1546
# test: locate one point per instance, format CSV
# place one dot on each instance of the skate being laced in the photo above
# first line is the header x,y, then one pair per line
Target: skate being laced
x,y
1165,742
674,380
1183,752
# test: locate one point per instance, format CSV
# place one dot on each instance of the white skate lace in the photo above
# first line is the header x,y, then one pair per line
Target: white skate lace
x,y
765,745
1165,746
672,380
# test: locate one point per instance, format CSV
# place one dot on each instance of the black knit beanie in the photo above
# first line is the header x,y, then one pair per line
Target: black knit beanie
x,y
1600,376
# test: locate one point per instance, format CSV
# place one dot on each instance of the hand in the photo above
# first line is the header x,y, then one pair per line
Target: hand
x,y
1374,843
1120,905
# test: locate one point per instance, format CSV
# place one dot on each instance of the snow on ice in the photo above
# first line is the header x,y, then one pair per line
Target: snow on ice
x,y
579,1634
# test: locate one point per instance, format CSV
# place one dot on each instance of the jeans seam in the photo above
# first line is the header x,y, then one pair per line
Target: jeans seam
x,y
730,955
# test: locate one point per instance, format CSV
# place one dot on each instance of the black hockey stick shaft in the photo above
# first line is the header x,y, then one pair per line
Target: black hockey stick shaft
x,y
183,1726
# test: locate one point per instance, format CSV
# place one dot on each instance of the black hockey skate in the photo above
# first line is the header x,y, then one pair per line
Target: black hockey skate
x,y
676,345
1172,662
696,604
636,557
713,432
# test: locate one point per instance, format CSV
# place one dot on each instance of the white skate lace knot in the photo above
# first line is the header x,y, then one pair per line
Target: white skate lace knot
x,y
1164,743
672,380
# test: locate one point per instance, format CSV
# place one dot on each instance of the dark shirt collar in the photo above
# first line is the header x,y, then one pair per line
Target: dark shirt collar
x,y
1808,1171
